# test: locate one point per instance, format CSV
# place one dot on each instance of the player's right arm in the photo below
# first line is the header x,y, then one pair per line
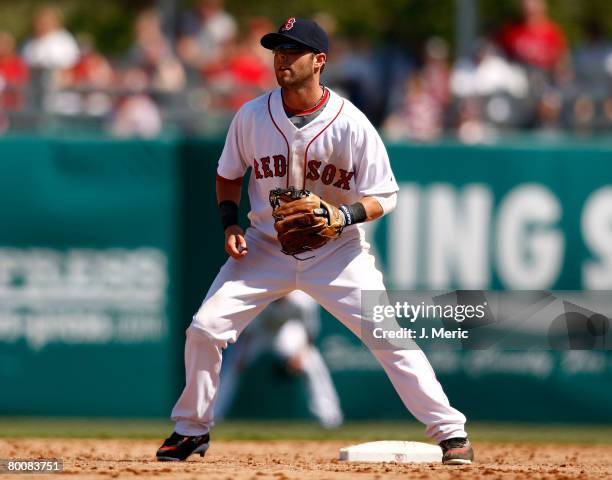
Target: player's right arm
x,y
228,199
231,169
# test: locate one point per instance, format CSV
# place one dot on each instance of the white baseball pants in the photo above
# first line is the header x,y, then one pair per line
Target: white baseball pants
x,y
334,278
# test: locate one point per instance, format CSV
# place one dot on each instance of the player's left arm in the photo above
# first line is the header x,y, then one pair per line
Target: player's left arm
x,y
376,206
372,207
369,207
374,178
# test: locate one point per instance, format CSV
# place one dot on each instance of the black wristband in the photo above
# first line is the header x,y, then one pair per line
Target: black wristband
x,y
354,213
229,213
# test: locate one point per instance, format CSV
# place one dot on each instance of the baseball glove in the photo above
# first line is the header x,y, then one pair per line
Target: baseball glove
x,y
303,221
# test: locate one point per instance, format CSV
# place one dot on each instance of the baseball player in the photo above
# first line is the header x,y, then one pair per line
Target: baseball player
x,y
301,135
286,327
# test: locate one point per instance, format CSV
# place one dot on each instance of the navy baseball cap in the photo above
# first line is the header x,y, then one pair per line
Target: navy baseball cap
x,y
299,31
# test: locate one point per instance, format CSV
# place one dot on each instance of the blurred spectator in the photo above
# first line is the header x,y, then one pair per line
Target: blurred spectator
x,y
419,116
206,33
136,114
536,40
214,69
251,64
92,69
420,113
550,107
436,71
607,113
394,65
13,74
152,52
593,61
83,88
472,127
490,74
246,70
584,112
51,46
354,74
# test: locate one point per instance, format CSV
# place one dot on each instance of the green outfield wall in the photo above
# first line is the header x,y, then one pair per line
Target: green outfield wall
x,y
107,248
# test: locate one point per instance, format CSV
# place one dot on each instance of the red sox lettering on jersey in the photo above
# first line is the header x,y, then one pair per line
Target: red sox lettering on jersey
x,y
276,166
338,155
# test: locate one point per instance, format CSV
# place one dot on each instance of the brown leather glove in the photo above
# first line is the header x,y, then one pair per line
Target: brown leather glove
x,y
303,221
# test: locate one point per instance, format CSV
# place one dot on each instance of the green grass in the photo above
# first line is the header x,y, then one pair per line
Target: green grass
x,y
293,430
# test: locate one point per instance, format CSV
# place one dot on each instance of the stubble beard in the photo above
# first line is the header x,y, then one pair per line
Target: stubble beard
x,y
294,81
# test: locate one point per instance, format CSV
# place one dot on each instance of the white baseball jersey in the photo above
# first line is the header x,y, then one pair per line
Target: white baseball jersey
x,y
339,155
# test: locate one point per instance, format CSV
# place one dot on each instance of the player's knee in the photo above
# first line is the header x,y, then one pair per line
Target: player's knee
x,y
218,330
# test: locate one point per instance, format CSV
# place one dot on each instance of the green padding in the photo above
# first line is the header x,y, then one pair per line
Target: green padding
x,y
89,255
108,247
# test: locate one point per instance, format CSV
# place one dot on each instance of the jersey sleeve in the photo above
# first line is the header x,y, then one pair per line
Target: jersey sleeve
x,y
373,174
233,163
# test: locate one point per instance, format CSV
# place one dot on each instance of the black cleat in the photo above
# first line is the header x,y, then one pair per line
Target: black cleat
x,y
177,448
457,451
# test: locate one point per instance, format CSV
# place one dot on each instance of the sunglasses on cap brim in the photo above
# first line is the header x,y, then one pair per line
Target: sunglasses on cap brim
x,y
294,46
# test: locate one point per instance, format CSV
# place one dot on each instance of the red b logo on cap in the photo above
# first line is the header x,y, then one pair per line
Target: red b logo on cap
x,y
288,24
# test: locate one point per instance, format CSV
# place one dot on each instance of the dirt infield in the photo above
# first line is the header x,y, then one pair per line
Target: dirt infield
x,y
282,460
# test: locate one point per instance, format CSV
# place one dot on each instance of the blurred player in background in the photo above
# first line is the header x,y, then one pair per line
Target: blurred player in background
x,y
287,328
